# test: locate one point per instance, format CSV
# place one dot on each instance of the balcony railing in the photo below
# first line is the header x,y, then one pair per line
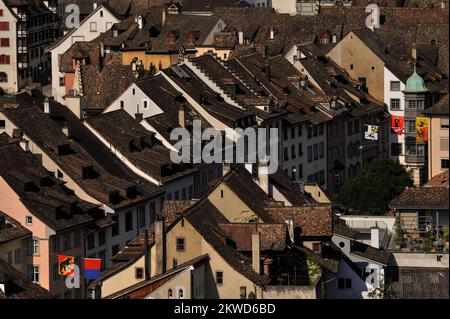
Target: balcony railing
x,y
415,159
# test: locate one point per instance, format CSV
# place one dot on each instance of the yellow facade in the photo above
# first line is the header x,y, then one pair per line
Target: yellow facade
x,y
165,60
359,61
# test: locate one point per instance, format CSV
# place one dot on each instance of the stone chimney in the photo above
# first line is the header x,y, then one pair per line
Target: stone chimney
x,y
414,53
241,37
140,22
290,228
271,34
47,108
263,177
182,116
94,5
256,252
375,237
159,246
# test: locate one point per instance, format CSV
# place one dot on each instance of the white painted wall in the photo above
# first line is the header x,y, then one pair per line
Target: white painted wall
x,y
83,33
285,6
388,95
135,101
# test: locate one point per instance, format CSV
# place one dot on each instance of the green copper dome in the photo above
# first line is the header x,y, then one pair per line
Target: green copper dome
x,y
415,84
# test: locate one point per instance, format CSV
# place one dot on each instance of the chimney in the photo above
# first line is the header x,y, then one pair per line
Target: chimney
x,y
267,263
159,245
272,34
290,228
25,145
414,52
375,237
263,177
94,5
139,117
163,17
47,106
66,130
256,252
182,116
226,167
147,256
241,37
140,22
102,49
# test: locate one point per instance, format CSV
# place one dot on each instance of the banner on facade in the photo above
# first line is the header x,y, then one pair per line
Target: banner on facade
x,y
65,265
371,132
397,124
92,268
422,129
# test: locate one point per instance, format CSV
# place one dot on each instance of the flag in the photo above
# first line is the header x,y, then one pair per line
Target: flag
x,y
422,129
371,132
65,265
92,268
398,124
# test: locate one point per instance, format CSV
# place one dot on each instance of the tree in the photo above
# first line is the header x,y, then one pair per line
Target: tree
x,y
372,190
399,232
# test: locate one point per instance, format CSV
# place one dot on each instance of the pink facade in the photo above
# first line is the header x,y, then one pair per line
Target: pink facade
x,y
11,204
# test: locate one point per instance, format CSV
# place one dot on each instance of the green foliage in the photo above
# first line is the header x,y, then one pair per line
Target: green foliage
x,y
399,231
372,190
446,234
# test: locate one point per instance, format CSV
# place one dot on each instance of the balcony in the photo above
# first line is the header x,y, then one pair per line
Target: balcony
x,y
415,159
22,33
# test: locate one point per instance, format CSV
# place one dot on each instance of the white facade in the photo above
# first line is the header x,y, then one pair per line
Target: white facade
x,y
285,6
390,95
9,81
99,21
133,101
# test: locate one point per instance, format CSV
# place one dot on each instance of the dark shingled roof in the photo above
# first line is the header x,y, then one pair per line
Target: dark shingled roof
x,y
18,286
11,229
241,183
43,195
368,252
417,283
441,107
422,198
341,228
138,145
73,159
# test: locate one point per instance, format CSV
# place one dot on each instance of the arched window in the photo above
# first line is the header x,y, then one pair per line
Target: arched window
x,y
3,77
180,293
170,293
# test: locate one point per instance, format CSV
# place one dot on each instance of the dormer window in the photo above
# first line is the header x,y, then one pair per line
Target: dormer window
x,y
171,37
115,33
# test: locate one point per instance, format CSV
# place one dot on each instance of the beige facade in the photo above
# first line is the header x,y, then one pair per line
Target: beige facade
x,y
16,251
359,61
230,205
438,148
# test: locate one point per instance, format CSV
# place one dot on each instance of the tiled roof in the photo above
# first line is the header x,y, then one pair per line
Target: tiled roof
x,y
205,218
341,228
417,283
73,159
273,236
368,252
98,89
18,286
11,229
241,183
311,221
440,180
422,198
41,192
138,145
